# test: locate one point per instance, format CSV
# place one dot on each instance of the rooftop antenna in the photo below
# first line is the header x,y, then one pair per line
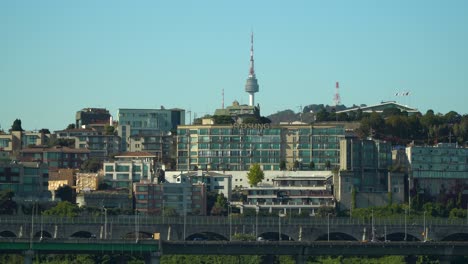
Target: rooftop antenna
x,y
337,99
222,94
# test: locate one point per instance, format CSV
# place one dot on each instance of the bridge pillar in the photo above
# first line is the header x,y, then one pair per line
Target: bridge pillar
x,y
28,256
268,259
153,258
301,259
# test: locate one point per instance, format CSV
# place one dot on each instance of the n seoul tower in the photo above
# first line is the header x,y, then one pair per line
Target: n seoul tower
x,y
251,86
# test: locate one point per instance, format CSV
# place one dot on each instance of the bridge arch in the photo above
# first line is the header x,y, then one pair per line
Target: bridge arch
x,y
81,234
42,234
211,236
274,236
456,237
336,236
400,236
7,233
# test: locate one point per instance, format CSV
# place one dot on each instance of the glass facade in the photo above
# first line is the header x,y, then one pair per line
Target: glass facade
x,y
233,148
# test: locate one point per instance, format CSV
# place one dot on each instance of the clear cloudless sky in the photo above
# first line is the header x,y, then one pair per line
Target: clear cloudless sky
x,y
57,57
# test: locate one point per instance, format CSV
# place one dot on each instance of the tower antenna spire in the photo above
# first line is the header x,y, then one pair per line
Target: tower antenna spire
x,y
252,68
251,86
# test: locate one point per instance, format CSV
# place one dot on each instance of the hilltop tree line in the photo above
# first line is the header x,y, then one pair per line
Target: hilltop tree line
x,y
400,128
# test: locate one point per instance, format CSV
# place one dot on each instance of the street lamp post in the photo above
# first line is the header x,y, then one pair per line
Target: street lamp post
x,y
230,220
257,208
185,213
424,232
105,222
328,227
372,224
405,227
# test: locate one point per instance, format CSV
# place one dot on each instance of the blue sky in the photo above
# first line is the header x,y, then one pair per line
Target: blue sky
x,y
57,57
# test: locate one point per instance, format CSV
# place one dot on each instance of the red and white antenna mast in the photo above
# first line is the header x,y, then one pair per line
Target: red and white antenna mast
x,y
337,99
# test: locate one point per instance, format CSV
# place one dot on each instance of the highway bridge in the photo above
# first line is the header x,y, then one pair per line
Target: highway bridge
x,y
152,250
223,228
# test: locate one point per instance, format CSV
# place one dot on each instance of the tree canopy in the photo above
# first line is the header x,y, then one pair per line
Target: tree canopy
x,y
16,125
91,165
7,205
220,206
255,174
63,209
65,193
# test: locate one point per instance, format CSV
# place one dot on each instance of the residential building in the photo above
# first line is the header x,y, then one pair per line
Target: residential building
x,y
28,180
89,116
236,147
18,140
439,170
214,181
364,171
297,195
57,157
149,130
183,197
129,168
100,146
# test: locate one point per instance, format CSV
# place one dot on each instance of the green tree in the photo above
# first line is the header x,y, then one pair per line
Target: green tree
x,y
282,165
223,120
170,212
65,193
7,205
16,125
312,165
71,126
255,174
91,165
109,130
63,209
220,206
296,165
44,131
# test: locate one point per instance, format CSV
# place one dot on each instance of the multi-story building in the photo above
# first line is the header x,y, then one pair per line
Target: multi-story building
x,y
149,130
57,157
214,181
28,180
291,194
128,168
89,116
99,145
18,140
183,196
364,169
439,170
237,146
367,161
